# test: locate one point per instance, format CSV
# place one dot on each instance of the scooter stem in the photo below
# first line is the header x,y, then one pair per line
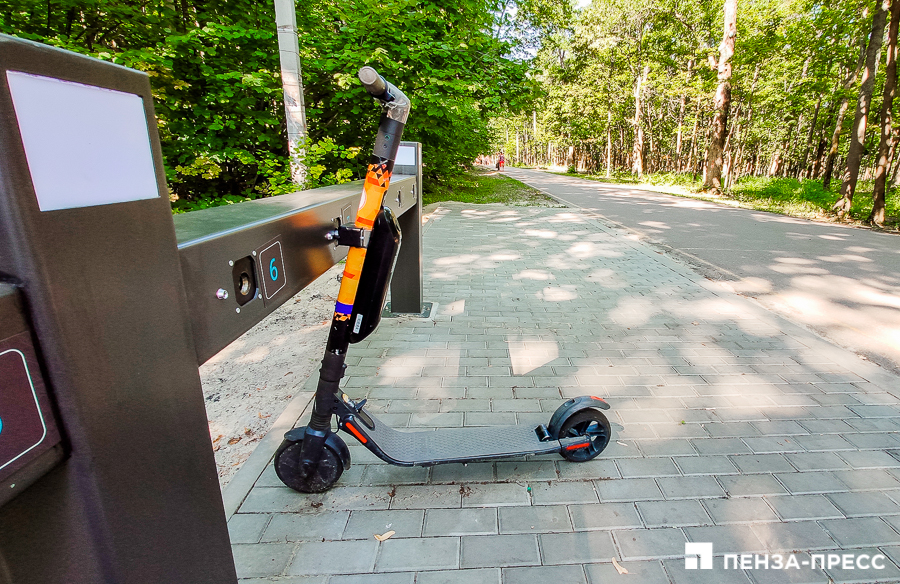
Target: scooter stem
x,y
378,177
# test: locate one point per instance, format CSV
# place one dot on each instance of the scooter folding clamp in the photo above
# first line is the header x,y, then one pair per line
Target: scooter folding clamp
x,y
350,236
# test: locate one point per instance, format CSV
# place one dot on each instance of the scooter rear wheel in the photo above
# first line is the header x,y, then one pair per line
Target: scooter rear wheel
x,y
591,423
287,467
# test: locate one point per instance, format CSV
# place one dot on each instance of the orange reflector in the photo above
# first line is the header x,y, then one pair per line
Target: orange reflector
x,y
575,446
356,433
598,398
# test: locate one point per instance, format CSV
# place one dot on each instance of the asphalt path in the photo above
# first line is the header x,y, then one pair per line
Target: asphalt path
x,y
840,281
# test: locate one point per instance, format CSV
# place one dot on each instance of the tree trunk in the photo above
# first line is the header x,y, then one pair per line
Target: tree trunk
x,y
608,144
694,134
809,139
858,137
885,146
712,175
638,126
842,111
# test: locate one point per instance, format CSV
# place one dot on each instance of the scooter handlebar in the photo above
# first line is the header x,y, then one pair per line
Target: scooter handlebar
x,y
395,101
372,81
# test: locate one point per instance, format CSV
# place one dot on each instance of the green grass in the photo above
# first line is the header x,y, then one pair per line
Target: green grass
x,y
787,196
480,186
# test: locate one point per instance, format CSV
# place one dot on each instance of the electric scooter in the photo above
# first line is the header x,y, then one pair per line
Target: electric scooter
x,y
312,458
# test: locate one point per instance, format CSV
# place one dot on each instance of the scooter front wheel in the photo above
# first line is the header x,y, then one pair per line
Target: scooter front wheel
x,y
287,467
591,423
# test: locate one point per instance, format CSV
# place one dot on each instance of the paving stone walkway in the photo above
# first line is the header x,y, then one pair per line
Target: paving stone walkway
x,y
731,426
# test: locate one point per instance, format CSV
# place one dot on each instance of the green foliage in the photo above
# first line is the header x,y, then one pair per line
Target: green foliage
x,y
479,187
807,198
456,73
215,74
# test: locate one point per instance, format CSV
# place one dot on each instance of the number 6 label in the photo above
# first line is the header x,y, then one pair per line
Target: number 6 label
x,y
272,264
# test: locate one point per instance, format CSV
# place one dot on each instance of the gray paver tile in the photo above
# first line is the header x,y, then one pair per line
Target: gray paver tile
x,y
679,575
389,578
364,524
477,576
705,465
647,467
752,485
531,470
743,510
530,575
806,461
433,553
861,532
534,519
869,459
261,559
247,528
806,483
356,557
482,551
761,463
628,490
577,548
294,527
690,487
426,497
285,500
645,544
821,443
804,507
797,535
599,468
802,574
494,495
463,473
670,447
673,513
294,580
867,479
645,572
780,428
563,493
733,429
449,522
711,446
387,474
727,539
863,504
855,575
604,516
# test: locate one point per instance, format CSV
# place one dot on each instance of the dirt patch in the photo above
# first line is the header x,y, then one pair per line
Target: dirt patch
x,y
249,383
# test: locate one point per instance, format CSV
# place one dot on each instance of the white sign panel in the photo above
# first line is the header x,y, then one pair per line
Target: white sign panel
x,y
406,155
85,145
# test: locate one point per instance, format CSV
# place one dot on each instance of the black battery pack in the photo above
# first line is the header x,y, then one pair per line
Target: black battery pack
x,y
381,254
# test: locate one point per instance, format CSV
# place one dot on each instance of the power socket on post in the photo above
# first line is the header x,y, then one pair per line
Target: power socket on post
x,y
243,274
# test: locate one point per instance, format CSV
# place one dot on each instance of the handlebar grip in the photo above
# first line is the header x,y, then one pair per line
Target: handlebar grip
x,y
372,81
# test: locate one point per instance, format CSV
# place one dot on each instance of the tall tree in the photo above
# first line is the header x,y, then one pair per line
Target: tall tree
x,y
638,124
858,136
885,145
714,156
852,76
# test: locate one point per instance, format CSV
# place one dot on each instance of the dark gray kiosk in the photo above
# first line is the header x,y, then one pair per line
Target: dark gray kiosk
x,y
107,306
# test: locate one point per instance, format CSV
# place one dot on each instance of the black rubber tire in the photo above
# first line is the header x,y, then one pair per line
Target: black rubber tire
x,y
287,467
590,423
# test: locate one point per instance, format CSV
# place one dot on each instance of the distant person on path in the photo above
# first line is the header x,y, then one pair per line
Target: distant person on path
x,y
500,161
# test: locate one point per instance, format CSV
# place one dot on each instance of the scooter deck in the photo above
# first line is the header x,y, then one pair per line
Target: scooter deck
x,y
427,448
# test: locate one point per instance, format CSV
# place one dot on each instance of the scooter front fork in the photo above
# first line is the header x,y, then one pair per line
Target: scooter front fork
x,y
327,397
